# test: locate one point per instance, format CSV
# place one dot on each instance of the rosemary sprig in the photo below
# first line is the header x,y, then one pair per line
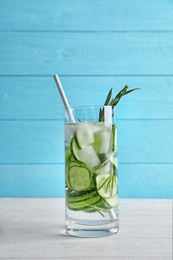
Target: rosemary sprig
x,y
114,101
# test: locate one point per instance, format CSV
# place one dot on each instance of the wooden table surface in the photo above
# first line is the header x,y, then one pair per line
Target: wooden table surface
x,y
34,229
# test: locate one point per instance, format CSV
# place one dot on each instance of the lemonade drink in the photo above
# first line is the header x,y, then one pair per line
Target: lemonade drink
x,y
91,179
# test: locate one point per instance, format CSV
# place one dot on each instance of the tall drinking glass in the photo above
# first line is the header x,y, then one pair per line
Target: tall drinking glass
x,y
91,172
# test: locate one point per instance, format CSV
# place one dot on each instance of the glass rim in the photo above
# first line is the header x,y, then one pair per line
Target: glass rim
x,y
88,106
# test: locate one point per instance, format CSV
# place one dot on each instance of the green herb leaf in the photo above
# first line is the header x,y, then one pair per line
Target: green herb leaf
x,y
108,97
114,101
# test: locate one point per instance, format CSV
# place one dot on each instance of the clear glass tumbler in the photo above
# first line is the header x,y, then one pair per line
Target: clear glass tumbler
x,y
91,170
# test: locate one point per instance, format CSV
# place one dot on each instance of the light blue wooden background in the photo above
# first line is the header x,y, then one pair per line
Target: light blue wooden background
x,y
93,45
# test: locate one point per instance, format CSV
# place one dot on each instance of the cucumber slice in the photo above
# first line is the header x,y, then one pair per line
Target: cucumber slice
x,y
102,205
71,163
79,178
113,202
84,134
106,185
75,150
106,168
73,197
67,178
82,204
67,154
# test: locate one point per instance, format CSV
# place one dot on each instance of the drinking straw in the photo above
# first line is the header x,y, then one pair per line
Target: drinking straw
x,y
107,117
64,99
108,114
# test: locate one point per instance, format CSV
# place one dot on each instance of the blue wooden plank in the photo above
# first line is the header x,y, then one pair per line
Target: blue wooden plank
x,y
135,181
38,98
86,53
146,181
29,98
32,181
79,15
139,141
147,141
31,142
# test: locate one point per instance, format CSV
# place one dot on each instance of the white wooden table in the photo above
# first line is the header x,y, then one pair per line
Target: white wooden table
x,y
34,229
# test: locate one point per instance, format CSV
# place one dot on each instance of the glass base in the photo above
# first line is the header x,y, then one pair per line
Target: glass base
x,y
80,229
